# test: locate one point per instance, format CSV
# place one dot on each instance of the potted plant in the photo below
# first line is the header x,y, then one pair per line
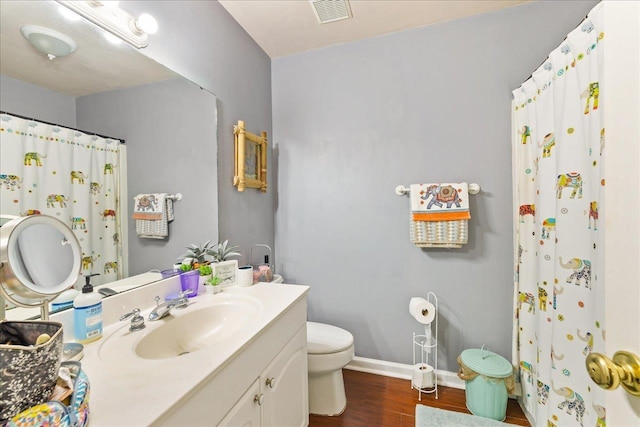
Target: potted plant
x,y
196,254
212,285
224,251
205,273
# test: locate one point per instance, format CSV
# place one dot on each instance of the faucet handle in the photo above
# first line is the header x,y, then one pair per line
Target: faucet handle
x,y
157,298
137,321
185,293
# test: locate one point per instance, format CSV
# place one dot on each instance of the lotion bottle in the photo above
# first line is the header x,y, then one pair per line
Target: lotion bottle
x,y
87,314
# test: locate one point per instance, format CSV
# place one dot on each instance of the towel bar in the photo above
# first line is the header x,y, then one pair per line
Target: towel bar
x,y
177,196
401,190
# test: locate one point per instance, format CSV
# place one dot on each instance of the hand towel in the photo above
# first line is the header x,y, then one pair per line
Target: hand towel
x,y
155,228
440,201
149,206
439,215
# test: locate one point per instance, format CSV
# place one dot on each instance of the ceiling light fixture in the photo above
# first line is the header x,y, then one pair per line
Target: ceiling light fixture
x,y
109,17
50,42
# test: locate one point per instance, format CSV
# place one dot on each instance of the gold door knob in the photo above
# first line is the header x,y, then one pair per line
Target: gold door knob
x,y
623,370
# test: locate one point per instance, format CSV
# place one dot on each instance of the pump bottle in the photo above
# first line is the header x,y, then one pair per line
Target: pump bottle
x,y
87,314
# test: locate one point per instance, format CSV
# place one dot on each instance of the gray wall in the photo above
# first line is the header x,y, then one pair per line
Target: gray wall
x,y
28,100
201,41
170,133
353,121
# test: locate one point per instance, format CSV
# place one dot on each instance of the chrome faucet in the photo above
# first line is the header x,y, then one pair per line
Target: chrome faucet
x,y
162,310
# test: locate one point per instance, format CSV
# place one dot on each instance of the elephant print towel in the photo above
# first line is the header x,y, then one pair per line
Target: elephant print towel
x,y
439,215
153,228
440,202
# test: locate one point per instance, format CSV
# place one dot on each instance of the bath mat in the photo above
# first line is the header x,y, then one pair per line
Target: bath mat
x,y
426,416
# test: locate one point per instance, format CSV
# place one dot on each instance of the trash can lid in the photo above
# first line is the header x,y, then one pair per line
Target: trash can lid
x,y
487,363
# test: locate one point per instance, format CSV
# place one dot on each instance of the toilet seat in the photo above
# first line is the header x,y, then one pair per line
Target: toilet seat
x,y
327,339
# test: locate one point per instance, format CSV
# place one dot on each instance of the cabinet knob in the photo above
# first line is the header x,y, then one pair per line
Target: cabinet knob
x,y
623,370
258,398
271,382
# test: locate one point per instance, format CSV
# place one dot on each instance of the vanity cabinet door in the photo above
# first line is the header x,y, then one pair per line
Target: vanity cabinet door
x,y
246,412
284,384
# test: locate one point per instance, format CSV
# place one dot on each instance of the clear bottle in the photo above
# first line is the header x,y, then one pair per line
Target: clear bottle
x,y
87,314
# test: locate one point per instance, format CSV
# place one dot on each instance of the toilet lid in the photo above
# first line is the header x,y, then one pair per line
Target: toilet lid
x,y
325,339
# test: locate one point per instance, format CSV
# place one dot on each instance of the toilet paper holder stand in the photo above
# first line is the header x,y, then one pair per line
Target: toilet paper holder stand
x,y
425,355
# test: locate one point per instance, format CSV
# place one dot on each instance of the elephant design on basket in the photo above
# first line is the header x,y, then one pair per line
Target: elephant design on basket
x,y
570,179
573,402
79,176
33,157
441,194
110,265
547,144
581,271
52,199
11,182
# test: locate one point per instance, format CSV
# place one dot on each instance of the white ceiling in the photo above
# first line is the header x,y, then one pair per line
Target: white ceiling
x,y
285,27
96,66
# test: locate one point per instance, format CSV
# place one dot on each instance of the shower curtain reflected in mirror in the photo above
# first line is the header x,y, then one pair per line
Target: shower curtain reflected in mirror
x,y
69,175
558,152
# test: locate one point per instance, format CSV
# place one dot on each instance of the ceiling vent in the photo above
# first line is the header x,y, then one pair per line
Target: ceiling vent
x,y
331,10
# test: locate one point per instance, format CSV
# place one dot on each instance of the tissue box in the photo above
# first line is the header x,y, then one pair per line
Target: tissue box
x,y
29,371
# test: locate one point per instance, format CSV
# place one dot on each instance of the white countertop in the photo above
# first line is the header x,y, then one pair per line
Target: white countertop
x,y
129,390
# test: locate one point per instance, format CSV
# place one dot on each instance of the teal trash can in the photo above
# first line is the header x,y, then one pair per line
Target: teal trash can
x,y
488,378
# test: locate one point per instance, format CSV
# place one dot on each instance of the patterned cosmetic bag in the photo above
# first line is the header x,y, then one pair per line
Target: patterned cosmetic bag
x,y
73,412
28,370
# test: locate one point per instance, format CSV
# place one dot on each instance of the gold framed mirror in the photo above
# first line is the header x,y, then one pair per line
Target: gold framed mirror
x,y
250,169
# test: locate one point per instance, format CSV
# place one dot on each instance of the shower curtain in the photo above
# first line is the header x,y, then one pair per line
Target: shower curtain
x,y
69,175
558,156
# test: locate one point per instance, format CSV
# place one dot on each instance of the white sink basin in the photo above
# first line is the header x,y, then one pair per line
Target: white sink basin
x,y
205,322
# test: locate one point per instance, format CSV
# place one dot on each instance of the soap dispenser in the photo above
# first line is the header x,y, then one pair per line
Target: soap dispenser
x,y
87,313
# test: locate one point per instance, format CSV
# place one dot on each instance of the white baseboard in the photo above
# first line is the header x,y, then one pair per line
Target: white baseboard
x,y
399,370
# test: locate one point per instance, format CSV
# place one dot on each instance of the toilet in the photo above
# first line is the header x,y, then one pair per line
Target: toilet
x,y
329,349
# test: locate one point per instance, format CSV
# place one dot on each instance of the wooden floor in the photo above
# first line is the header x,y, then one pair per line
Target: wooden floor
x,y
375,400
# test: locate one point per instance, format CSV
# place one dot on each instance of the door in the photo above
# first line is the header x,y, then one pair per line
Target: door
x,y
622,205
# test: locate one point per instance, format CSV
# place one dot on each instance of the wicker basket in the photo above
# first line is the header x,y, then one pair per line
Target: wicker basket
x,y
29,371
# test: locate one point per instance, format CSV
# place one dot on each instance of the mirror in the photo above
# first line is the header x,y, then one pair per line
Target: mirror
x,y
96,69
28,278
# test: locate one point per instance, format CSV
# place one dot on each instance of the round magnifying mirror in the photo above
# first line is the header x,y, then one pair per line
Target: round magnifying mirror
x,y
39,257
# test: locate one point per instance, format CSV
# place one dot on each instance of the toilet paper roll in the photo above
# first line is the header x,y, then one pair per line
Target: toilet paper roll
x,y
422,376
245,275
422,310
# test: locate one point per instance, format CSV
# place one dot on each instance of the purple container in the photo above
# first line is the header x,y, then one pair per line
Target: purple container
x,y
189,281
169,273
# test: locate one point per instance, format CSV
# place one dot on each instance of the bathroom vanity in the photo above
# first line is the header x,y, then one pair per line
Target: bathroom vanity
x,y
227,359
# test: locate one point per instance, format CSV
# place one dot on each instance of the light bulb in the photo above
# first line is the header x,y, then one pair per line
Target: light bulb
x,y
146,24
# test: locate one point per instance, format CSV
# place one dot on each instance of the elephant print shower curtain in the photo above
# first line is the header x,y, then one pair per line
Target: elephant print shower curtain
x,y
69,175
558,154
